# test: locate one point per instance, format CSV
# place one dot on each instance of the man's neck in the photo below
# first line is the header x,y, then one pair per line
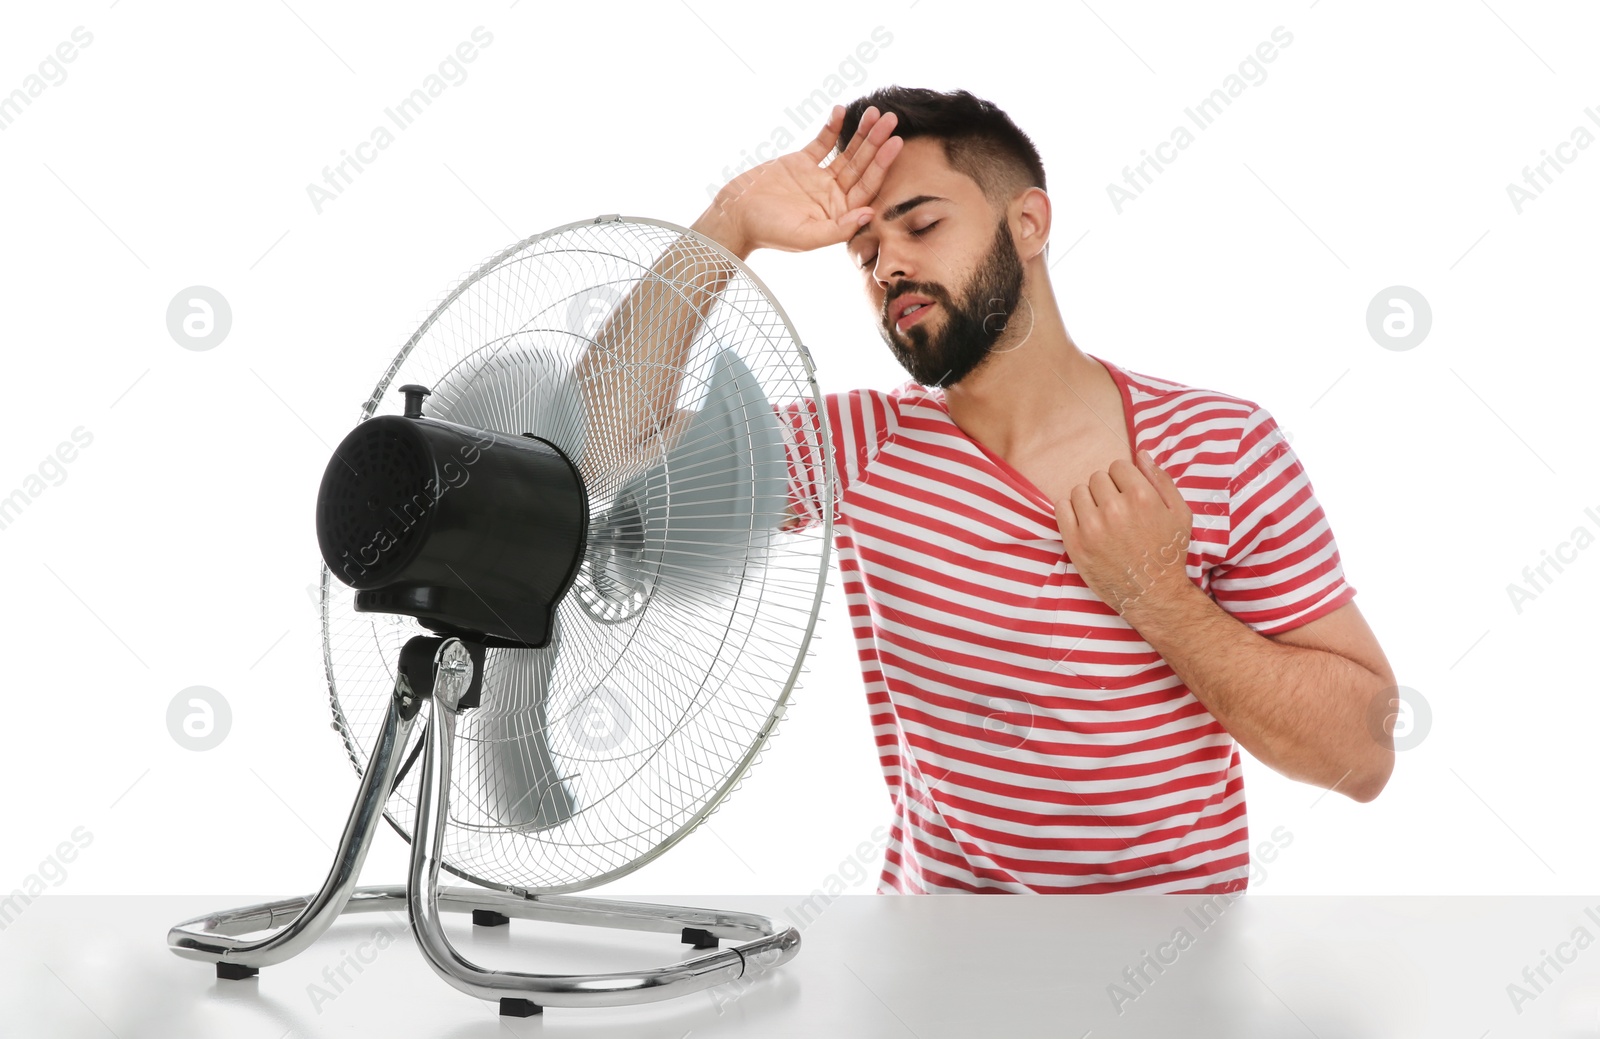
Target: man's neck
x,y
1037,388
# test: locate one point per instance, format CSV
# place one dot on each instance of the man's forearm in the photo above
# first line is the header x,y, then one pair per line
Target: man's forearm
x,y
1302,711
629,374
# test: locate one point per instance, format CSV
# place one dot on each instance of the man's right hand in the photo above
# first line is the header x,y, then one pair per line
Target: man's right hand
x,y
794,204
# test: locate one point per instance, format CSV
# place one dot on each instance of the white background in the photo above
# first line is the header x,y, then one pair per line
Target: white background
x,y
179,546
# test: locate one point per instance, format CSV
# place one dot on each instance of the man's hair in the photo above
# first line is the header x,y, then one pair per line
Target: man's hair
x,y
979,139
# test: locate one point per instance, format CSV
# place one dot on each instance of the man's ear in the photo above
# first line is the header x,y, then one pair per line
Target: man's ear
x,y
1033,217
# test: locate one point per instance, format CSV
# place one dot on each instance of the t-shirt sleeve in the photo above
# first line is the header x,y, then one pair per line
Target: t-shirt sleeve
x,y
861,421
1282,567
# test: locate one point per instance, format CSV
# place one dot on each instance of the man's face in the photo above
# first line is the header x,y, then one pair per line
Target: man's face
x,y
947,248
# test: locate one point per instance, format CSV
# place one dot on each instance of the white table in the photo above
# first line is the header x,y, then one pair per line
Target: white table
x,y
878,966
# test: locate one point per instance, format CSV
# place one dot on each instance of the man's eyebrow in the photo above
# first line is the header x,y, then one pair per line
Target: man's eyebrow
x,y
895,212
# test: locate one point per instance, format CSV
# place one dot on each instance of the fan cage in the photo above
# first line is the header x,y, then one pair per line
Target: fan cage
x,y
687,755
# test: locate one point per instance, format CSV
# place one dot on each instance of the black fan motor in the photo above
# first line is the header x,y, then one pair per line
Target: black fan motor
x,y
475,533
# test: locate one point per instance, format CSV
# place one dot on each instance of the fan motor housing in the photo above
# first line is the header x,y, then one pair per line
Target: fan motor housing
x,y
474,533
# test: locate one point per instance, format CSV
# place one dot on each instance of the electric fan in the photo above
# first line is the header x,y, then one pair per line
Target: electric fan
x,y
598,625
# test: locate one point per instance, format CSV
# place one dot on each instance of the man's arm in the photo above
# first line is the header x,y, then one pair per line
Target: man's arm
x,y
1312,702
629,380
631,374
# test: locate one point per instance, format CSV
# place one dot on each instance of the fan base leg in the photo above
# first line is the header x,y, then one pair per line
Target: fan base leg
x,y
512,1007
296,923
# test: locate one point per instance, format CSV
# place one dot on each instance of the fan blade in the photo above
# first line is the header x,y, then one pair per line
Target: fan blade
x,y
508,742
711,509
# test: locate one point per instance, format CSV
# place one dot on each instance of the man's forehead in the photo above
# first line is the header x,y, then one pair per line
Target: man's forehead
x,y
920,173
920,168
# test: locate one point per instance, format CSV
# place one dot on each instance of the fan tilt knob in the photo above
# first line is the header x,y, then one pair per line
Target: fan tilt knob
x,y
414,394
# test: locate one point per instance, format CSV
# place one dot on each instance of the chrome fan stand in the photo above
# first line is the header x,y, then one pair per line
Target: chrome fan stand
x,y
448,677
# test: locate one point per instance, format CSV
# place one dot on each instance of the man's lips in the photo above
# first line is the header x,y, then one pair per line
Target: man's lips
x,y
912,318
904,302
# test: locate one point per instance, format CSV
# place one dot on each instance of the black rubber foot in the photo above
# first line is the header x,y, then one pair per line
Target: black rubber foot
x,y
489,918
236,971
510,1007
699,938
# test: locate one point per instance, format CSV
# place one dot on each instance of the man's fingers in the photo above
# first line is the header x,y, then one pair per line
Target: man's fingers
x,y
823,143
852,219
863,127
857,158
1083,503
866,189
1102,489
1126,476
1066,515
1067,523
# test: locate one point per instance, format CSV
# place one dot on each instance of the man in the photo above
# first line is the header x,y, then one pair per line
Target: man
x,y
1076,589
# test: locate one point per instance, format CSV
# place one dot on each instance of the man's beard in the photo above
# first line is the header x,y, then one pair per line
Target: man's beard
x,y
970,329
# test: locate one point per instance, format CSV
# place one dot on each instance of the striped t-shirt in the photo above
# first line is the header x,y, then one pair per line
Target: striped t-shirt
x,y
1031,740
